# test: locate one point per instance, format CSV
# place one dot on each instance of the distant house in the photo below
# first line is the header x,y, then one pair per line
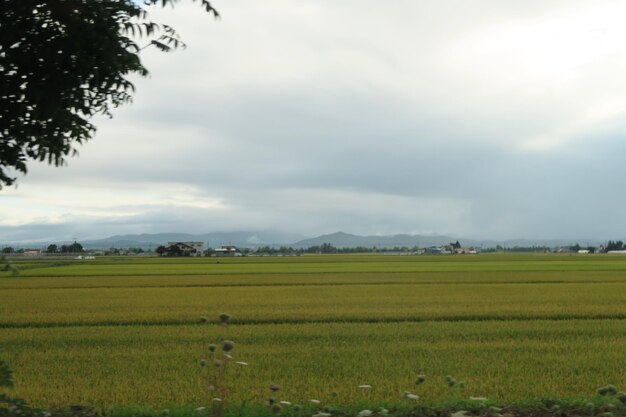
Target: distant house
x,y
31,252
184,248
227,250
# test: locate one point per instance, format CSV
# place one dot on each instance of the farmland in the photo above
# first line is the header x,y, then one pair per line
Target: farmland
x,y
120,330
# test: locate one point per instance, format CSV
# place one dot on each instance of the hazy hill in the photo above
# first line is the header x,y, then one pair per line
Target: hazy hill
x,y
342,240
253,239
215,239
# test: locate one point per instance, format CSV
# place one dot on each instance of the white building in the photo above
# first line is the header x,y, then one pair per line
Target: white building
x,y
228,250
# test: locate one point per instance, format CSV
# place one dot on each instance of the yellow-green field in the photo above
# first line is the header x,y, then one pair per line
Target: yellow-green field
x,y
118,331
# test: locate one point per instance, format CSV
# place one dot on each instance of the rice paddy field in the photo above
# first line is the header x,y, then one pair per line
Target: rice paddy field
x,y
126,331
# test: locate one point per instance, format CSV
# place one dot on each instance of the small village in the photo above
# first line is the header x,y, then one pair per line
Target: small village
x,y
199,249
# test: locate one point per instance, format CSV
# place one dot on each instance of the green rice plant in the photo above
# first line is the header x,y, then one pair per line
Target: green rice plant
x,y
504,361
313,303
124,331
316,265
9,405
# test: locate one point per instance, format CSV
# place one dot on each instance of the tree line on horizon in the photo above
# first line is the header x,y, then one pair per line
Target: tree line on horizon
x,y
325,248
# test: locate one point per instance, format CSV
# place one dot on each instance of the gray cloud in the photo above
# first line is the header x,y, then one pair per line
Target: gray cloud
x,y
321,116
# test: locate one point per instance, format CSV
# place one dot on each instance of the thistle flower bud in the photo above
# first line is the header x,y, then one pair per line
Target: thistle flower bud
x,y
608,390
228,345
461,384
203,362
212,347
224,318
412,397
420,379
218,363
274,387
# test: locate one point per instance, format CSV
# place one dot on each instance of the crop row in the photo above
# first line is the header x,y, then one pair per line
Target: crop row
x,y
317,265
365,303
159,366
283,279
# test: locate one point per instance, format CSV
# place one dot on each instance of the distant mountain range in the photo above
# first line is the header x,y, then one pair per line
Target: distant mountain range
x,y
253,239
214,240
341,239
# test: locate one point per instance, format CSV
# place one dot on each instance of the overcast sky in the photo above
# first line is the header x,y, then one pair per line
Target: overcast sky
x,y
484,119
